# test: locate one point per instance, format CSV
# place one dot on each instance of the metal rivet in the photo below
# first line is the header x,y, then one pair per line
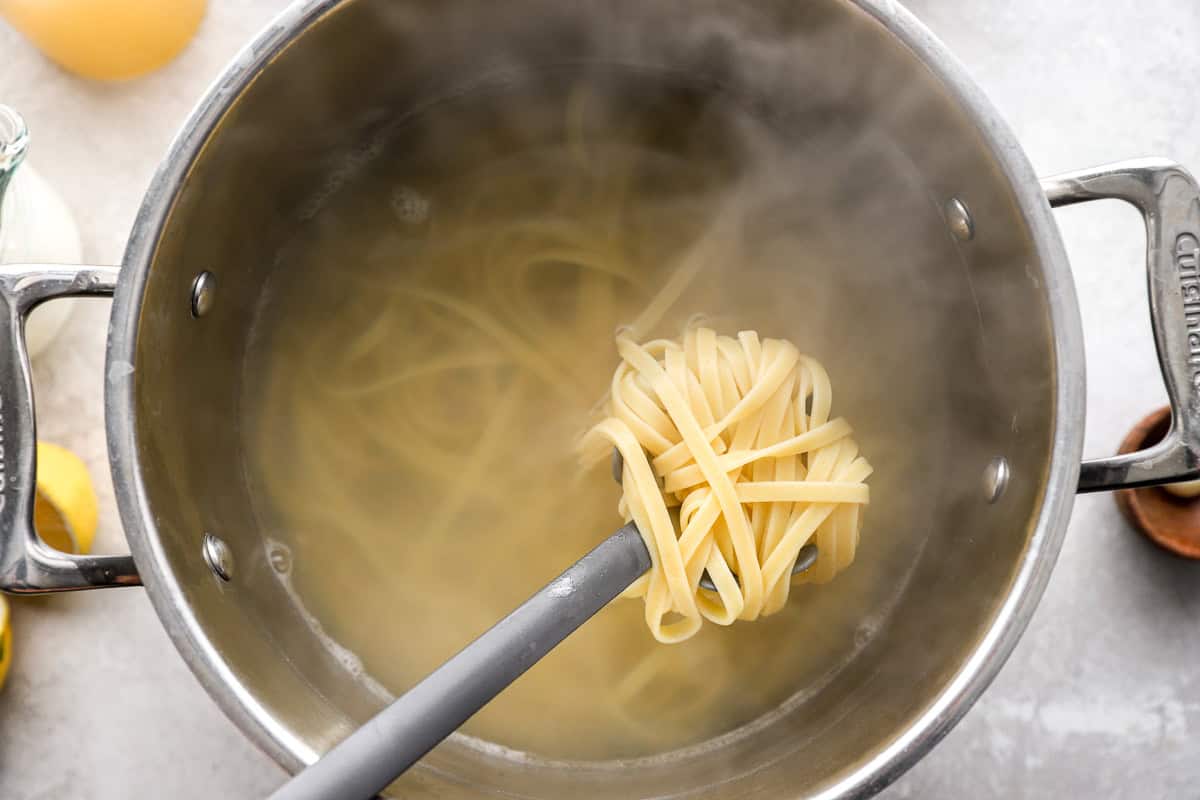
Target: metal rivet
x,y
203,289
218,556
958,217
995,478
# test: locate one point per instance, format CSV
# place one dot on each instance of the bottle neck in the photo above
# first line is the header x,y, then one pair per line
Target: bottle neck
x,y
14,140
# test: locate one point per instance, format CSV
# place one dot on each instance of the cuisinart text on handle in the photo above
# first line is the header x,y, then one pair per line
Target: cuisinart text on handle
x,y
1187,258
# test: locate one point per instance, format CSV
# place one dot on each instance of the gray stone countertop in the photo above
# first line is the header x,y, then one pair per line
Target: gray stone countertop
x,y
1100,698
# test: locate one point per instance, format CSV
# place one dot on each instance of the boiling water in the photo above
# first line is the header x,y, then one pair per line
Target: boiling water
x,y
440,334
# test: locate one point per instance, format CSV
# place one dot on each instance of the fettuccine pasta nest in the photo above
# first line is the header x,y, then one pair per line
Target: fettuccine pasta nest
x,y
731,465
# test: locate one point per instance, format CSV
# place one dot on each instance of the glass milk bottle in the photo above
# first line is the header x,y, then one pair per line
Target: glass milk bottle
x,y
36,227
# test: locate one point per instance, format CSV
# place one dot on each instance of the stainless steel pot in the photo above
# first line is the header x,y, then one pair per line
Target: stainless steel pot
x,y
977,253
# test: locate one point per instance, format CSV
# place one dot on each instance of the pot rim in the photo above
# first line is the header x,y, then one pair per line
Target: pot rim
x,y
956,697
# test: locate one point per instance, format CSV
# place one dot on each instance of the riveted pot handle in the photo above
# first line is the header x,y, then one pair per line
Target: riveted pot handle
x,y
27,564
1169,201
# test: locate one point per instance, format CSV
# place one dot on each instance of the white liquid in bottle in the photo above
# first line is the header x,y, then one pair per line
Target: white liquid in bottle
x,y
36,227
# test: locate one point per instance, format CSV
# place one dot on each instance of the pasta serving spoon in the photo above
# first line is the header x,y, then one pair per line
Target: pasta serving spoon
x,y
804,559
373,756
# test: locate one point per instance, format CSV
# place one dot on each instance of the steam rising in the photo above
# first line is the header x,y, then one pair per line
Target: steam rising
x,y
802,159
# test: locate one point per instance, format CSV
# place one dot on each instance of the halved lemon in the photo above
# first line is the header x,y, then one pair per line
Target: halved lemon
x,y
5,641
65,514
65,511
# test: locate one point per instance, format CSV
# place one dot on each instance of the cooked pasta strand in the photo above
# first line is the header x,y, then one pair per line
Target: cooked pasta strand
x,y
736,432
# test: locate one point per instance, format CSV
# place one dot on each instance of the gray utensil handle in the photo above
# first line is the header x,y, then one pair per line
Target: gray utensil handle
x,y
376,754
1169,202
27,564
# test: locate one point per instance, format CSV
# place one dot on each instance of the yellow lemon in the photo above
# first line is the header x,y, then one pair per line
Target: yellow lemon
x,y
65,512
5,641
107,39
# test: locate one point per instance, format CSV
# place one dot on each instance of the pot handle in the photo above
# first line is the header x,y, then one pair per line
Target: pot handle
x,y
1169,201
27,564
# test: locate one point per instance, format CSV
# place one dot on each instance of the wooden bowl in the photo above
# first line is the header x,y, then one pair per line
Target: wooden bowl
x,y
1171,522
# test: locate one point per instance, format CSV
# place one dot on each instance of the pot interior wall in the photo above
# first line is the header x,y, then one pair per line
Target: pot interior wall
x,y
940,350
